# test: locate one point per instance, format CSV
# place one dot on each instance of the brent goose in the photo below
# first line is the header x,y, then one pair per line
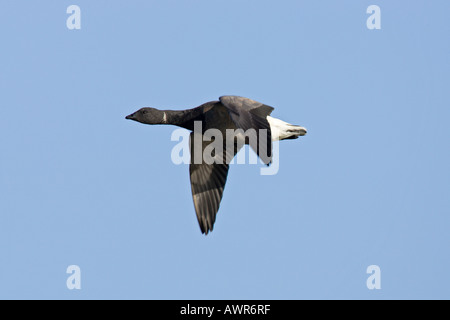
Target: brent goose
x,y
230,112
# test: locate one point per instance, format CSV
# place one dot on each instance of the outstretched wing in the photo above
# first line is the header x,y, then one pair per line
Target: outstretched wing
x,y
249,114
207,184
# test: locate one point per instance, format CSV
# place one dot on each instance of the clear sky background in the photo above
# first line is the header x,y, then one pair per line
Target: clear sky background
x,y
368,185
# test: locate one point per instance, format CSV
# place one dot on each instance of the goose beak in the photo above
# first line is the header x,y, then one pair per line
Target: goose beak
x,y
130,117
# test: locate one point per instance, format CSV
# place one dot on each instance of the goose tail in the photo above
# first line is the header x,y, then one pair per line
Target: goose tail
x,y
282,130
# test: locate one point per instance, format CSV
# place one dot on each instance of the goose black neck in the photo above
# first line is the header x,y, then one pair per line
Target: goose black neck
x,y
183,118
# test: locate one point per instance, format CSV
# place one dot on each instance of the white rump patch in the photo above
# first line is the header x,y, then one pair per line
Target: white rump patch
x,y
283,130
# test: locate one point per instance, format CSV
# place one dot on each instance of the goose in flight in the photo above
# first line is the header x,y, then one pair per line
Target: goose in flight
x,y
230,112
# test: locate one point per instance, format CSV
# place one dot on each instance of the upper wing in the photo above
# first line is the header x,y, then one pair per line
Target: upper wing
x,y
238,104
249,114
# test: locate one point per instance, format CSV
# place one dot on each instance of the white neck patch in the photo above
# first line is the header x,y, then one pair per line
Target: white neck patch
x,y
164,120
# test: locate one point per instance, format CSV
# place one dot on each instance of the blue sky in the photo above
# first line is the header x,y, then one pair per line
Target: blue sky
x,y
368,185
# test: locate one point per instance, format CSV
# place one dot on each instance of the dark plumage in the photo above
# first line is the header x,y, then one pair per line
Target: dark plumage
x,y
230,112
